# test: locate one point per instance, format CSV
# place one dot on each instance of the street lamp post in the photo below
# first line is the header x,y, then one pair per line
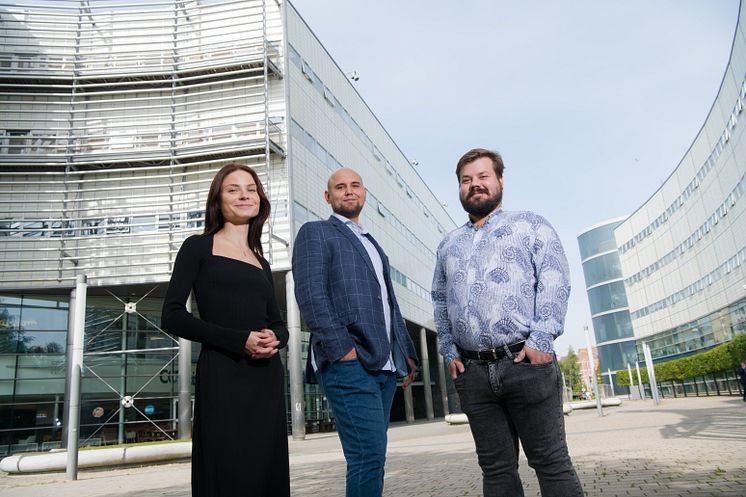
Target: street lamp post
x,y
592,363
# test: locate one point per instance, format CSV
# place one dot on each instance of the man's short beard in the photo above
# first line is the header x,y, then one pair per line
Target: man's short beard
x,y
482,208
348,213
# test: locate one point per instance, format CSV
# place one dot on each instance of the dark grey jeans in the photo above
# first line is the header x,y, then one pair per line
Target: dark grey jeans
x,y
507,402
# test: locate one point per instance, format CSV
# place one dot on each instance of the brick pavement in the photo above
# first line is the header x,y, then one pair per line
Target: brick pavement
x,y
693,447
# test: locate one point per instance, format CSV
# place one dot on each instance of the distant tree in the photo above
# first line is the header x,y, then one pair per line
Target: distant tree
x,y
8,338
11,338
571,369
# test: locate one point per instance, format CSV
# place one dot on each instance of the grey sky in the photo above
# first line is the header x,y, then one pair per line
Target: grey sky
x,y
591,103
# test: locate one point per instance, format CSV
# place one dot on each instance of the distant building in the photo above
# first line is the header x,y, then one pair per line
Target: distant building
x,y
683,252
586,373
675,270
607,298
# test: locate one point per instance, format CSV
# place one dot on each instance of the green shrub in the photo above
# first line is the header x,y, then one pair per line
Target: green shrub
x,y
725,357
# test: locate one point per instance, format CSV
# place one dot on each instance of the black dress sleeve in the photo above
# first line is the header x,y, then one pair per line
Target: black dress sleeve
x,y
276,323
175,318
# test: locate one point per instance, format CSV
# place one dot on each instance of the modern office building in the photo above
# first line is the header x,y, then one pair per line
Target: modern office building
x,y
604,284
114,117
683,252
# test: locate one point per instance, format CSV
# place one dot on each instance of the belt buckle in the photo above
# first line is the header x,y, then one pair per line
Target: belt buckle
x,y
491,355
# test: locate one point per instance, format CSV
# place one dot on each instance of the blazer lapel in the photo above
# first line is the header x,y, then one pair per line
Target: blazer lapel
x,y
347,232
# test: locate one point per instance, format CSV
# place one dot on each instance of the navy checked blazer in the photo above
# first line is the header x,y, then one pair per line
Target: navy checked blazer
x,y
340,299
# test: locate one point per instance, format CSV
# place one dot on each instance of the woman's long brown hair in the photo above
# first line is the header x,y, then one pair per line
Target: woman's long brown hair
x,y
214,215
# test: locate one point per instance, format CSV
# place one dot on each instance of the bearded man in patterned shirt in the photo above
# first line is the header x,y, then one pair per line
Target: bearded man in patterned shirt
x,y
500,293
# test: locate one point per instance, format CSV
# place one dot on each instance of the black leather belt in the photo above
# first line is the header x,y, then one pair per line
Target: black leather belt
x,y
492,354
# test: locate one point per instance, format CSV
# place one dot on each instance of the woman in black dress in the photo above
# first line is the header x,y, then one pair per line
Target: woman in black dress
x,y
240,437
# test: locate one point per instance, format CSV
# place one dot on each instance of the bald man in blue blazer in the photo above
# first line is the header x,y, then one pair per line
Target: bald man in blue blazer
x,y
359,341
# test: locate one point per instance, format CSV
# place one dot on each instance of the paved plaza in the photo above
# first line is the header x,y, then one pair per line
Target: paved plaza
x,y
685,447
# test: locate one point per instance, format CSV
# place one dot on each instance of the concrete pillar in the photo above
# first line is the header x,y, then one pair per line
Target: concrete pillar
x,y
185,384
442,382
295,366
408,404
425,362
68,361
185,389
76,365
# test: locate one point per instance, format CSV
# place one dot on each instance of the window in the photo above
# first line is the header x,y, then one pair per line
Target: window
x,y
17,141
307,72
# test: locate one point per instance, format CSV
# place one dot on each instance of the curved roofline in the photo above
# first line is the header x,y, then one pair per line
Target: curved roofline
x,y
603,223
709,113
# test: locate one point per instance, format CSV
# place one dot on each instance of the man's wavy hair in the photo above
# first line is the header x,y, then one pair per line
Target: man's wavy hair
x,y
478,153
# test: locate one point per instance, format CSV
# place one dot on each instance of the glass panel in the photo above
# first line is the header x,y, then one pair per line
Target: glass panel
x,y
616,356
8,342
604,268
39,387
33,318
607,297
41,342
10,317
7,367
9,300
6,387
612,326
51,301
41,366
597,240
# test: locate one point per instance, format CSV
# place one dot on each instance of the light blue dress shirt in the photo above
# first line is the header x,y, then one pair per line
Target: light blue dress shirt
x,y
502,283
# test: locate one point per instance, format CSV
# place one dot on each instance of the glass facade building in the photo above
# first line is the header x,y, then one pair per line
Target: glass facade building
x,y
114,117
604,284
683,252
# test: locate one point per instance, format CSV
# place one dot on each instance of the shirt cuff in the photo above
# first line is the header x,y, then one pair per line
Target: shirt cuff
x,y
541,341
451,355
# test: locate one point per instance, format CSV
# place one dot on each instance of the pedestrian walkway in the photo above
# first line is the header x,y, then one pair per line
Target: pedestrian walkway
x,y
694,447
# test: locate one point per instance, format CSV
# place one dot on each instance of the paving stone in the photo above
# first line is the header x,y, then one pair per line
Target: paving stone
x,y
693,447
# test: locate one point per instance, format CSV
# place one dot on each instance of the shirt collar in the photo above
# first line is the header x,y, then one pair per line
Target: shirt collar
x,y
486,223
356,227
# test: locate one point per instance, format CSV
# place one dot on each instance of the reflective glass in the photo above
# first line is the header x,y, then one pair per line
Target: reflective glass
x,y
6,387
41,301
34,318
43,342
7,367
604,268
34,366
612,326
10,317
40,387
8,342
607,297
616,356
597,240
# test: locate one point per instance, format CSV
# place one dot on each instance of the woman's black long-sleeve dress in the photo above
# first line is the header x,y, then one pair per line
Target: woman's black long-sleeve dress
x,y
239,437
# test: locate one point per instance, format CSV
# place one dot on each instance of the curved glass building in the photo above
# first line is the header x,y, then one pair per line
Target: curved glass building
x,y
114,117
604,284
683,252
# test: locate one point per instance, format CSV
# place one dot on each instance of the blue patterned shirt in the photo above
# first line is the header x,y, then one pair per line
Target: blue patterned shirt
x,y
502,283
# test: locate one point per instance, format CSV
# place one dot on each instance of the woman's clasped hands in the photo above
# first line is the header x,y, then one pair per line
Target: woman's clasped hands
x,y
261,344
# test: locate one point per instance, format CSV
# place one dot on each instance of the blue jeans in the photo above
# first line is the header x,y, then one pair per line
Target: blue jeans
x,y
507,402
361,402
